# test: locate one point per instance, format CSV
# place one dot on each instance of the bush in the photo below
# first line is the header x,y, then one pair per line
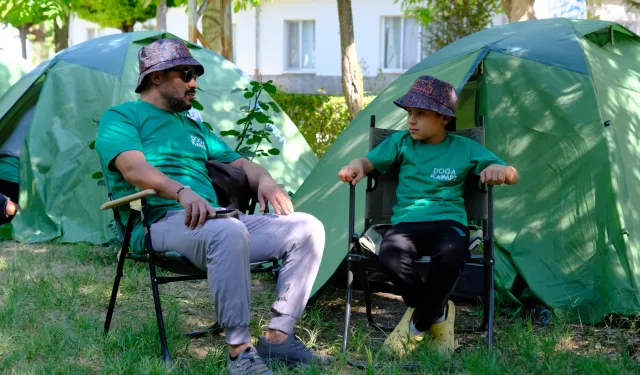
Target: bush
x,y
320,118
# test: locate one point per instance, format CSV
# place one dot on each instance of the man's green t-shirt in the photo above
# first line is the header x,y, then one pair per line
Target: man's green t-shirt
x,y
175,144
10,168
431,176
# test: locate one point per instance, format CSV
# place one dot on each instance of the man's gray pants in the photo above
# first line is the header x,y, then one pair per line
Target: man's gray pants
x,y
225,247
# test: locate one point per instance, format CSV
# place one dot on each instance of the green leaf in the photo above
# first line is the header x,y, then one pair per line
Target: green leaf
x,y
196,104
92,145
232,132
248,154
270,81
256,88
208,125
262,118
254,83
97,175
251,141
101,183
271,89
264,106
244,149
274,151
236,90
245,108
249,94
275,107
242,121
252,115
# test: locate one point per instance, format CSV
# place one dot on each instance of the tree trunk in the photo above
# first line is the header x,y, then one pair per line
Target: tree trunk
x,y
225,29
352,85
212,24
23,30
127,26
161,16
61,34
519,10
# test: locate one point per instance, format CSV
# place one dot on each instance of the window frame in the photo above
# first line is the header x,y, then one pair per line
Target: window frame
x,y
285,61
383,45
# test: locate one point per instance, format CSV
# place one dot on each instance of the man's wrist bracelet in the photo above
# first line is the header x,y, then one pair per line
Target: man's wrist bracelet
x,y
179,190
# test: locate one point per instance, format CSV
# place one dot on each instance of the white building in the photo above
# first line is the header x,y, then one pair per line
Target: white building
x,y
297,42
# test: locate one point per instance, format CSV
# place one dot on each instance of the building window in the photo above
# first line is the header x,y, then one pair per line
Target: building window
x,y
401,42
300,45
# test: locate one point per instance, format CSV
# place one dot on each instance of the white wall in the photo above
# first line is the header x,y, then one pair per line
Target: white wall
x,y
79,31
244,40
10,44
367,19
615,10
609,10
367,28
366,14
177,24
367,22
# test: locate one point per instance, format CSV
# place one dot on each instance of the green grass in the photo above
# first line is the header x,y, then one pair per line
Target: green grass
x,y
53,301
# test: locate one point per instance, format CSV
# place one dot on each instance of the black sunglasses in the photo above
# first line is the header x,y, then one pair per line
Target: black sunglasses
x,y
189,74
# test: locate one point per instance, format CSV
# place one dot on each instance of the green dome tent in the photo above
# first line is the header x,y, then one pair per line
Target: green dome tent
x,y
59,199
560,101
12,68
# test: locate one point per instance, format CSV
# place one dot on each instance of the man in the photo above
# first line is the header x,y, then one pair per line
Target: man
x,y
152,144
10,151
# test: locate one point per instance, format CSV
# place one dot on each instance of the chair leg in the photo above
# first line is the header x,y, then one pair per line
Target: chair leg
x,y
214,330
490,307
156,301
487,298
114,292
489,264
347,308
364,277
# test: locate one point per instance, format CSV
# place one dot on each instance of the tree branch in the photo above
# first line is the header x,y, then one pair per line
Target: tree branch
x,y
202,9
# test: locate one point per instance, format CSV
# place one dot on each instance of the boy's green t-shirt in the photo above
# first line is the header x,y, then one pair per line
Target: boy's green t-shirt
x,y
431,176
175,144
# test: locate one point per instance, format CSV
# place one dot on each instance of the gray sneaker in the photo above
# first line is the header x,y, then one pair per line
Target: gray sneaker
x,y
247,363
292,351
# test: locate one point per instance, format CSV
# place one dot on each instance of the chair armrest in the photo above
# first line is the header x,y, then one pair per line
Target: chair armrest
x,y
128,199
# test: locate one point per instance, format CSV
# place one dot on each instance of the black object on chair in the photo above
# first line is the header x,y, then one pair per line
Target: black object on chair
x,y
379,200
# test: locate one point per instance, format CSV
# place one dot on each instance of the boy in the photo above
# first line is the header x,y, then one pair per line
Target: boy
x,y
429,218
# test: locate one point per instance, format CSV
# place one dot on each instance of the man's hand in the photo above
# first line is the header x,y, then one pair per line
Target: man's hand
x,y
353,172
196,208
269,190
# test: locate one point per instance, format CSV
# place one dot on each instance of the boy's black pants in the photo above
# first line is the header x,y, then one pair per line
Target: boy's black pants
x,y
447,243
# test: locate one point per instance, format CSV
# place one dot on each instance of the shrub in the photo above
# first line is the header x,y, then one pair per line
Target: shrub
x,y
320,118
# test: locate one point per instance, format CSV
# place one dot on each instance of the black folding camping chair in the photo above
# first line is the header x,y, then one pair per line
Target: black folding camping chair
x,y
170,261
379,200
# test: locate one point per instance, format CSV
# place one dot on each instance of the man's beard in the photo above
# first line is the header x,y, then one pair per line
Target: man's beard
x,y
177,104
